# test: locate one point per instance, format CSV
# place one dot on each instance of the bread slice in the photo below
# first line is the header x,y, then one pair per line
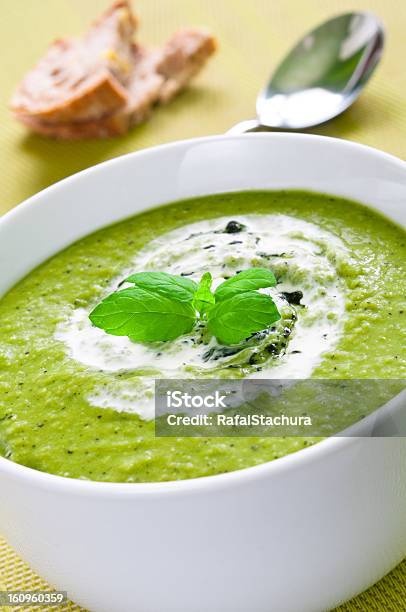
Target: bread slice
x,y
81,80
182,58
157,75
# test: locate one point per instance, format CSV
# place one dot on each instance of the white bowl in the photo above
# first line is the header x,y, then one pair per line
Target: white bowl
x,y
300,534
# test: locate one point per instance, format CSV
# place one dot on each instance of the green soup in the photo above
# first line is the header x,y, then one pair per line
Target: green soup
x,y
76,402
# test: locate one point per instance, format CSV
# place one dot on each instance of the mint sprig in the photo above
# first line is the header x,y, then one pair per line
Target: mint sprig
x,y
161,307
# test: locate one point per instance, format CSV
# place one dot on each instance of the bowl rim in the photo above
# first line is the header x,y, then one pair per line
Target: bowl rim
x,y
277,467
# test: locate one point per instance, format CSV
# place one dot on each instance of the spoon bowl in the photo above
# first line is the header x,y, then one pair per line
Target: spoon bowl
x,y
322,75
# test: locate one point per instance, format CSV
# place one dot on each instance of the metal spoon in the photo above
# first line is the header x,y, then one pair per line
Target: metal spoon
x,y
322,76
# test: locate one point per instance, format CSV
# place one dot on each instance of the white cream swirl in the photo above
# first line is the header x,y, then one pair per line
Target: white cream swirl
x,y
303,257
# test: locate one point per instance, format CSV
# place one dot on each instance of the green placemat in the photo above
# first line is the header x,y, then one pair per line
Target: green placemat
x,y
253,36
388,595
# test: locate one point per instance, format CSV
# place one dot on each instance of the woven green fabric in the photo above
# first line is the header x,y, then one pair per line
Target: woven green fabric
x,y
388,595
253,36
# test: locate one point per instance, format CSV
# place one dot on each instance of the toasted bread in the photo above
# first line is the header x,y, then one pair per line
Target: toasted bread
x,y
82,79
117,83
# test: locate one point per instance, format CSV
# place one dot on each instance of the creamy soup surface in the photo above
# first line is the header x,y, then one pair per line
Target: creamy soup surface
x,y
77,402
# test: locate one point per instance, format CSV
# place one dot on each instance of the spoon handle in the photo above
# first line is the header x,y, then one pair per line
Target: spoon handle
x,y
251,125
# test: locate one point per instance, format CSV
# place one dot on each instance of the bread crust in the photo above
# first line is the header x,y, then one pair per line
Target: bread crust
x,y
182,58
113,125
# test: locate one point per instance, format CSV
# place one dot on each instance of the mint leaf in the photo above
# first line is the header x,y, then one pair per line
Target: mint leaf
x,y
234,319
204,300
144,315
246,280
170,285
